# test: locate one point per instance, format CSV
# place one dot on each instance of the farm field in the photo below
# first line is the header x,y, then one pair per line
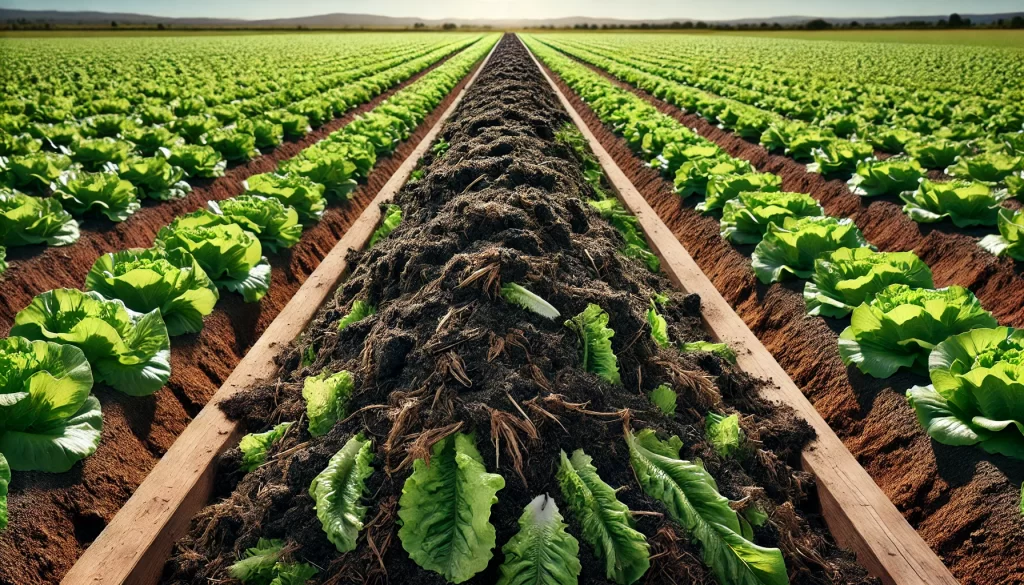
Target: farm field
x,y
536,307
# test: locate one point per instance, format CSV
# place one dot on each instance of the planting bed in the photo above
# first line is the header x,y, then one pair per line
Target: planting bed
x,y
55,516
506,203
963,502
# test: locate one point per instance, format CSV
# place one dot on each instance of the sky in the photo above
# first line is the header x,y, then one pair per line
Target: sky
x,y
630,9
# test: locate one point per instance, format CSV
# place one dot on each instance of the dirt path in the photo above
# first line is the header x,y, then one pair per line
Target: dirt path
x,y
55,516
963,502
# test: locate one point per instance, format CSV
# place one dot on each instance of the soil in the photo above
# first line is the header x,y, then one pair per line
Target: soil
x,y
963,502
506,202
54,517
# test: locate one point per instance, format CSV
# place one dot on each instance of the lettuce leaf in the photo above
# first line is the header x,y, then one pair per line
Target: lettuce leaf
x,y
129,351
26,220
338,490
848,277
838,156
664,397
33,172
692,499
82,193
692,176
988,167
521,297
230,256
445,510
273,223
359,311
392,217
628,225
901,326
595,339
155,177
606,522
659,327
724,433
746,218
261,565
326,397
254,446
722,350
5,480
198,160
792,248
542,552
965,203
1010,240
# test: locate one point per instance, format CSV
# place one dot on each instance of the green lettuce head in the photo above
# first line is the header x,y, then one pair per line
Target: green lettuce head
x,y
230,256
150,279
84,193
149,140
722,188
977,392
26,220
847,277
94,154
334,169
296,191
746,218
933,152
989,167
885,177
233,144
839,156
965,203
901,326
274,224
129,351
793,247
1010,240
33,172
48,420
155,177
198,160
692,176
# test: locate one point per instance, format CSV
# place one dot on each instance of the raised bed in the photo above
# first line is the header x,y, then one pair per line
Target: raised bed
x,y
69,510
963,502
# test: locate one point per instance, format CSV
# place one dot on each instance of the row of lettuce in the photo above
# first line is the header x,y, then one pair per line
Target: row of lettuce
x,y
118,330
107,164
986,169
458,542
898,319
971,137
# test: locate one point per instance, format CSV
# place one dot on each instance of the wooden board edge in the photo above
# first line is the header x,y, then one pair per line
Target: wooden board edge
x,y
133,548
860,515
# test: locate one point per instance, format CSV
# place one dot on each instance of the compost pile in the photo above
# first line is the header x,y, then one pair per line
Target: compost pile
x,y
503,200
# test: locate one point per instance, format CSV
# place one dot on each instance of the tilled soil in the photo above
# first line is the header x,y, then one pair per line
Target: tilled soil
x,y
506,203
962,501
54,517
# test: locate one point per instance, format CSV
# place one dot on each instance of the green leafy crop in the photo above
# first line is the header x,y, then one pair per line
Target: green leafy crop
x,y
746,218
595,339
542,552
326,397
792,248
521,297
665,398
230,256
301,193
1010,240
48,420
847,277
82,193
901,325
149,279
724,433
839,156
33,172
5,480
338,492
723,188
359,311
627,225
198,160
255,446
129,351
262,565
988,167
273,223
392,218
722,350
659,327
154,177
445,510
26,220
885,177
965,203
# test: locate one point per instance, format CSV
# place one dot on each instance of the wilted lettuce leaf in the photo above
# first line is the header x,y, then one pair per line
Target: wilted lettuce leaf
x,y
254,446
338,491
360,310
724,433
659,327
5,480
627,225
542,552
445,510
664,397
722,350
595,339
326,397
261,565
129,351
520,296
392,217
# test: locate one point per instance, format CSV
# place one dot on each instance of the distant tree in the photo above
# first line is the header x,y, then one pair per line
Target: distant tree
x,y
818,24
687,25
1017,22
449,26
763,24
420,25
701,24
160,26
113,24
955,20
854,24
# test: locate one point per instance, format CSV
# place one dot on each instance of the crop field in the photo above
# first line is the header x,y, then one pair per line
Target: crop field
x,y
540,308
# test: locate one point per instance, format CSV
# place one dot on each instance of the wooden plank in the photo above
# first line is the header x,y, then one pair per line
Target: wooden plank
x,y
859,514
132,549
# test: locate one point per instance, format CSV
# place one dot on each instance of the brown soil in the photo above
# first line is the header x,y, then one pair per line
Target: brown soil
x,y
509,199
54,517
962,501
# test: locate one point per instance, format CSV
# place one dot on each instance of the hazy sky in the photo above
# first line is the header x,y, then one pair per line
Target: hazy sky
x,y
714,10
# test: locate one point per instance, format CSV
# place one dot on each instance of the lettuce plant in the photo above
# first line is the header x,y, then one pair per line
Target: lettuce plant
x,y
33,172
445,510
391,220
359,311
989,167
805,141
965,203
94,154
64,134
977,392
629,227
722,350
523,298
746,218
149,140
254,446
792,248
724,433
129,351
885,177
18,144
262,565
155,177
171,281
26,220
230,256
1010,240
839,156
198,160
691,497
293,125
108,125
338,490
933,152
3,259
193,128
48,420
274,224
892,139
267,134
326,397
233,144
542,552
333,169
676,155
83,193
606,523
692,176
847,277
722,188
298,192
659,327
595,340
901,325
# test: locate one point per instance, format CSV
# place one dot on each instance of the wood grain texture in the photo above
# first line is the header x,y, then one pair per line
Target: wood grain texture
x,y
858,513
132,549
